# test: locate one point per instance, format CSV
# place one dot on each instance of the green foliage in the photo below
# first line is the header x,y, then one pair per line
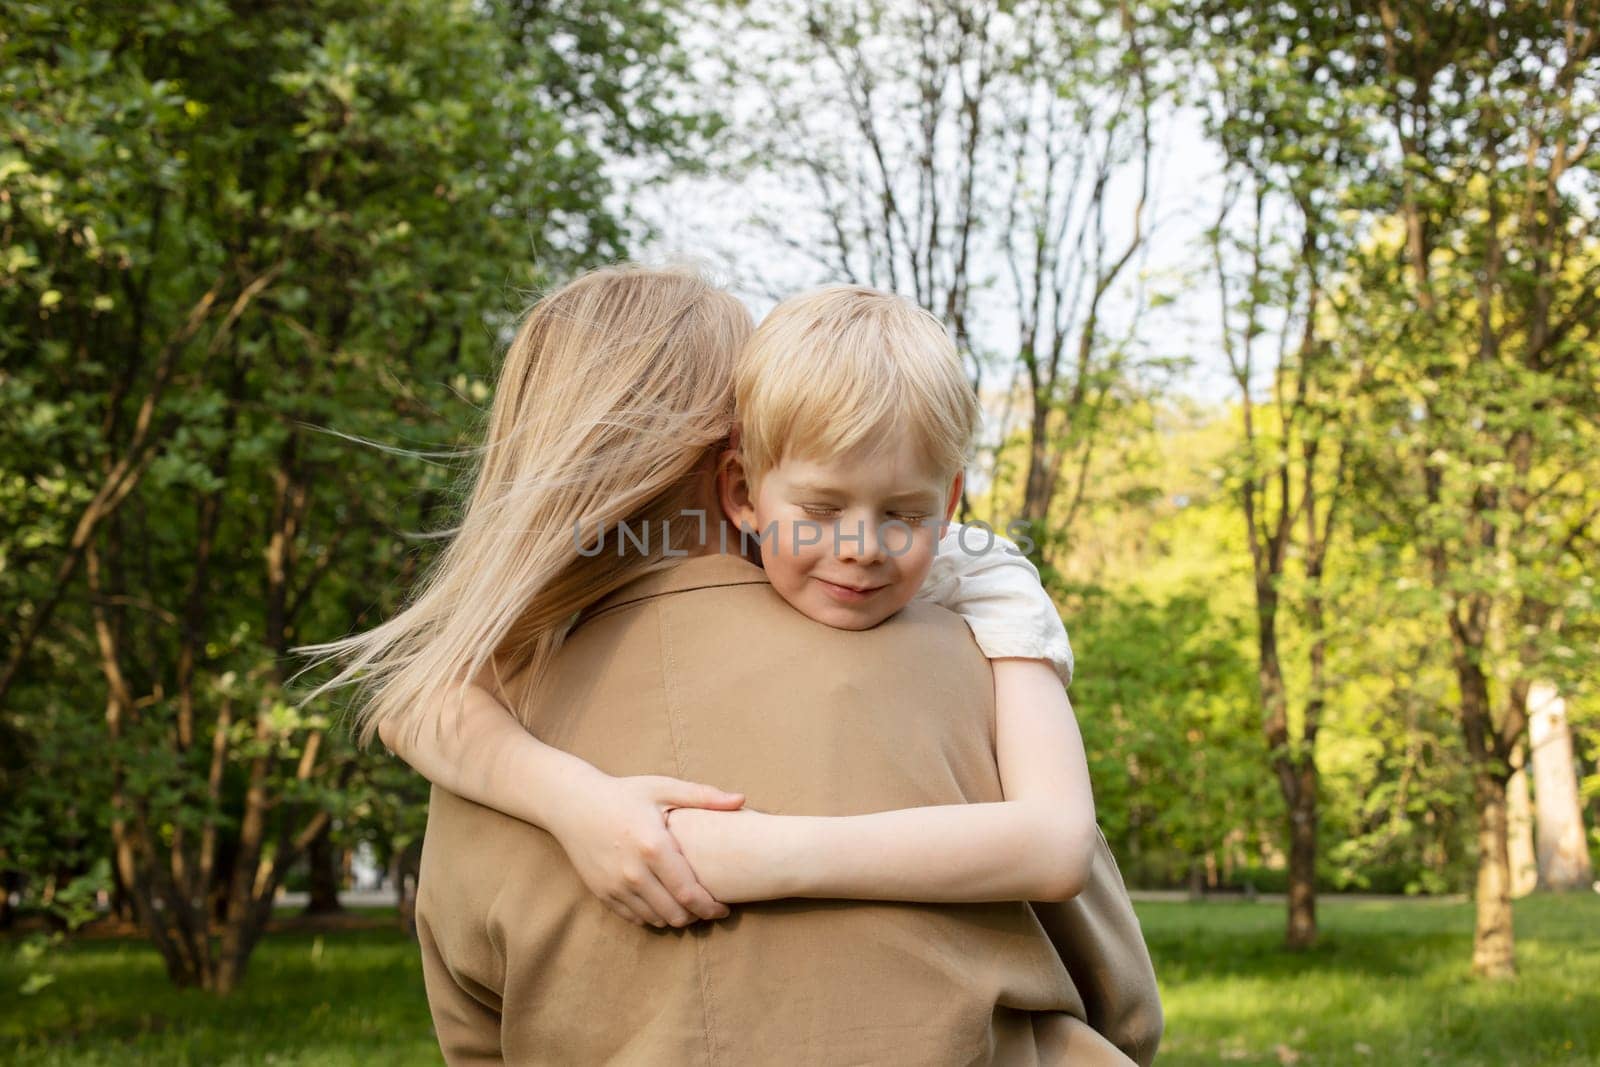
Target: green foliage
x,y
1175,755
236,241
1166,689
68,908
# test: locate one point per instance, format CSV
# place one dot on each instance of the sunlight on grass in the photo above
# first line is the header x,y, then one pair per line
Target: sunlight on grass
x,y
1389,983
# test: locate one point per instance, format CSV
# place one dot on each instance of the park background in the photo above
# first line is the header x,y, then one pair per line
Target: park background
x,y
1284,319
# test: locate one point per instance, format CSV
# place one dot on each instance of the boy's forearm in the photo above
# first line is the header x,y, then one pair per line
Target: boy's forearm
x,y
1036,844
951,853
478,751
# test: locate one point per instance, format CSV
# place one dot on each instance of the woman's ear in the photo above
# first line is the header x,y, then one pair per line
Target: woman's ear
x,y
955,496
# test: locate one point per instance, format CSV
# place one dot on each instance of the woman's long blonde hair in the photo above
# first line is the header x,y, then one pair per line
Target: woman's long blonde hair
x,y
612,392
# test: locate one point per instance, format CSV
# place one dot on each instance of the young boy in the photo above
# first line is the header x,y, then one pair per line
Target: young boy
x,y
855,417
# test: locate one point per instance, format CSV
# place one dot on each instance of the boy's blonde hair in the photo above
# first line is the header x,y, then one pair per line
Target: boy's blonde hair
x,y
608,400
847,368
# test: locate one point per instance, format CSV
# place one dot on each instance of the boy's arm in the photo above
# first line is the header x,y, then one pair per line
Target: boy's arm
x,y
613,829
478,751
1037,844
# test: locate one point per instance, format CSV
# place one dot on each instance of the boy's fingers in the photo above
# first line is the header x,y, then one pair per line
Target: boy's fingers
x,y
668,911
643,913
623,910
680,881
681,794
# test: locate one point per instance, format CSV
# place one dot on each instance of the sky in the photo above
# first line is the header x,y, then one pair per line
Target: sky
x,y
725,225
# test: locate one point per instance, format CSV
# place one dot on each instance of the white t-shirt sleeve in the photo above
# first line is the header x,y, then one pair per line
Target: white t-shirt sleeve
x,y
987,580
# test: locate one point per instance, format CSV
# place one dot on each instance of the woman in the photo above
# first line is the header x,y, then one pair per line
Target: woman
x,y
613,405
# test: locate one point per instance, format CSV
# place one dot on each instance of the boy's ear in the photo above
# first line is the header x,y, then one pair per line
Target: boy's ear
x,y
733,491
955,496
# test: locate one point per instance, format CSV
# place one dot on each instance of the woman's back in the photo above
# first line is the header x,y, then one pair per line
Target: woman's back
x,y
704,671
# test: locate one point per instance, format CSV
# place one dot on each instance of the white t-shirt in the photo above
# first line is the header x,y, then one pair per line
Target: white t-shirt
x,y
987,580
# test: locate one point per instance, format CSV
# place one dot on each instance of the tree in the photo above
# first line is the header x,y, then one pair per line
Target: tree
x,y
1482,397
1292,145
1476,408
236,238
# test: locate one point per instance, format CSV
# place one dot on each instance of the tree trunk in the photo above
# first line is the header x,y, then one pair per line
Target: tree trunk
x,y
1519,808
1494,943
325,867
122,909
1563,850
405,867
1302,931
1296,773
1039,484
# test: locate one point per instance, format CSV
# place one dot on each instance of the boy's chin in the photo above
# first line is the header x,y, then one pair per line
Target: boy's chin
x,y
857,623
841,618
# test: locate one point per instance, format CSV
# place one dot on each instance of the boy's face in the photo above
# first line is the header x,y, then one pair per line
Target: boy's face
x,y
847,542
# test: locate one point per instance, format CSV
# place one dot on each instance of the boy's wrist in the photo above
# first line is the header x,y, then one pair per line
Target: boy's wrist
x,y
788,855
563,792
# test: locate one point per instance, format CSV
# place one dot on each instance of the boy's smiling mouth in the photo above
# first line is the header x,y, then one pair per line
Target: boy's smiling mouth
x,y
848,593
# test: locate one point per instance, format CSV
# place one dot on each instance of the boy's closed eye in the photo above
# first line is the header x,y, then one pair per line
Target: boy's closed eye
x,y
823,511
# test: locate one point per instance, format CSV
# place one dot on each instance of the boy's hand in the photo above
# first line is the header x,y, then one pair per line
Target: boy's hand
x,y
737,855
614,831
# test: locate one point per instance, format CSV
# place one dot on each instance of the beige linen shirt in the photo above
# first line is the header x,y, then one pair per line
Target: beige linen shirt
x,y
702,672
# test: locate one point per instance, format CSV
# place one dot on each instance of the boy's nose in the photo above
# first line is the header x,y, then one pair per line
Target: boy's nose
x,y
859,542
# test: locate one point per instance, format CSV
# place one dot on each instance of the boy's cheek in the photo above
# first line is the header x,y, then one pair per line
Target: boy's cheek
x,y
791,539
915,564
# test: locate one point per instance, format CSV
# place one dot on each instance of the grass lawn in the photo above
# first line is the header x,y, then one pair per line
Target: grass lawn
x,y
1388,985
339,999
